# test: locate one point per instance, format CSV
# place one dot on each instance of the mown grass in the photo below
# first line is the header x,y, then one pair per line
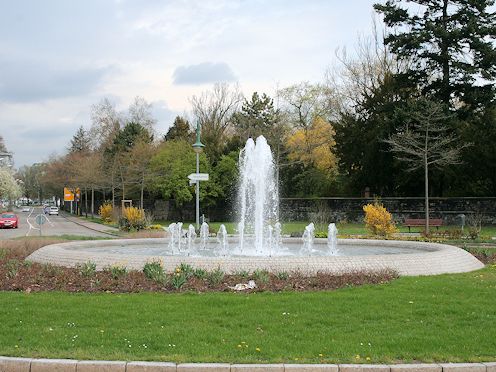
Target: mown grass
x,y
431,319
343,228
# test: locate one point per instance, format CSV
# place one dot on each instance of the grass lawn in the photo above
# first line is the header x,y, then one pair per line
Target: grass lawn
x,y
343,228
432,319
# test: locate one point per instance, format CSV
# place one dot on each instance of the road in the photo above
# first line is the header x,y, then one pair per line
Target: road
x,y
54,225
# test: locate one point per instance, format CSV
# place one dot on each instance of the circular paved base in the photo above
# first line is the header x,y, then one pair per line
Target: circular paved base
x,y
431,258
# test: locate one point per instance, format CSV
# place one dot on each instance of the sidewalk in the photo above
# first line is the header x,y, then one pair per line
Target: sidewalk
x,y
104,229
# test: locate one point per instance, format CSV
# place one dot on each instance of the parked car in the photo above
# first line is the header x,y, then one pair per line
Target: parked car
x,y
9,220
26,209
53,211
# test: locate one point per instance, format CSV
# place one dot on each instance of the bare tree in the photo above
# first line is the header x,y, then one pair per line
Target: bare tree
x,y
105,123
304,102
358,76
213,110
426,142
140,112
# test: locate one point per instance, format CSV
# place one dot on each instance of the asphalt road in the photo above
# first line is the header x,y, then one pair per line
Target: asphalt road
x,y
54,225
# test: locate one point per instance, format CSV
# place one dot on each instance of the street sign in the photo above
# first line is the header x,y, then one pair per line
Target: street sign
x,y
40,219
68,194
198,176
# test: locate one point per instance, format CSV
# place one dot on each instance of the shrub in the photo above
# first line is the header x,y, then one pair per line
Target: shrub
x,y
117,271
283,275
244,274
132,219
178,280
155,227
186,269
215,277
106,212
378,220
87,269
321,234
154,271
200,273
12,267
50,270
261,276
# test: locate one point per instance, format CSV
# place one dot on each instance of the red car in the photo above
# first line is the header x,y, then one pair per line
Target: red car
x,y
9,220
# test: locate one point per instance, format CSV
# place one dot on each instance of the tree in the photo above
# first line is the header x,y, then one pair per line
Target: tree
x,y
105,123
180,130
450,44
313,146
9,188
214,110
139,168
119,155
81,141
3,148
306,101
172,164
364,158
426,142
257,117
31,177
140,112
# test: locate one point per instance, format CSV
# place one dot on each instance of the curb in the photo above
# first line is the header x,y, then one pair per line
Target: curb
x,y
9,364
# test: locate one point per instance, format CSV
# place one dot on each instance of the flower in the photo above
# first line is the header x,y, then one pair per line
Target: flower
x,y
257,349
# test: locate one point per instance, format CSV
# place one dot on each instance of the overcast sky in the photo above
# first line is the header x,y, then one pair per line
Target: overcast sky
x,y
58,57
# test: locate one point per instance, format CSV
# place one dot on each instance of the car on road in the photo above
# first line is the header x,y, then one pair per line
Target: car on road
x,y
26,209
9,220
53,211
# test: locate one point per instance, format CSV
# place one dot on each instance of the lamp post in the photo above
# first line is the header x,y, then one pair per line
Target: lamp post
x,y
198,148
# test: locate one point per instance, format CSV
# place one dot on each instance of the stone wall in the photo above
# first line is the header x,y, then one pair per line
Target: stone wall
x,y
350,209
337,209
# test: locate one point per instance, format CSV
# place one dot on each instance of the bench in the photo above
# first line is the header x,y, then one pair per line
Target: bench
x,y
420,222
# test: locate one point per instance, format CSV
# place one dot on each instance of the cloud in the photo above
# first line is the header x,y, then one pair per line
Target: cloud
x,y
203,73
30,82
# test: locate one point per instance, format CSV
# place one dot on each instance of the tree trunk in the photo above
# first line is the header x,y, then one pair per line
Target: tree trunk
x,y
142,190
86,202
426,179
426,197
92,202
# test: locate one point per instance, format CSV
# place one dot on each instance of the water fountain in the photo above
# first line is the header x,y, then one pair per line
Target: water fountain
x,y
260,244
257,197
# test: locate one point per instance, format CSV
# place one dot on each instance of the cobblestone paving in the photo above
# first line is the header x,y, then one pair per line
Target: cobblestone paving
x,y
431,258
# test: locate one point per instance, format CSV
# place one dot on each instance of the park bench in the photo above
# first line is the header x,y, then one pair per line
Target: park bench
x,y
420,222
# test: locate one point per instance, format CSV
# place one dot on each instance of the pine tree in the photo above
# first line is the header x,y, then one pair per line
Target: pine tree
x,y
450,44
180,130
80,142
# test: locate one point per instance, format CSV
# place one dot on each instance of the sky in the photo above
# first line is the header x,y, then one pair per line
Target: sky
x,y
59,57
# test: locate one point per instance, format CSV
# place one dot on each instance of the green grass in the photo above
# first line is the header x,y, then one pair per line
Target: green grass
x,y
343,228
432,319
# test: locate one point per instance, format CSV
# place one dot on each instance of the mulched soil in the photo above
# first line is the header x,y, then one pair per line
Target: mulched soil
x,y
485,257
16,274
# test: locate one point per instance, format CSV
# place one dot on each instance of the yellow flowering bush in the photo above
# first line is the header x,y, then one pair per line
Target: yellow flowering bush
x,y
378,220
106,211
132,219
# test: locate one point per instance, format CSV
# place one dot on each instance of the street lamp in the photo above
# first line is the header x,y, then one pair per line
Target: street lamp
x,y
198,148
